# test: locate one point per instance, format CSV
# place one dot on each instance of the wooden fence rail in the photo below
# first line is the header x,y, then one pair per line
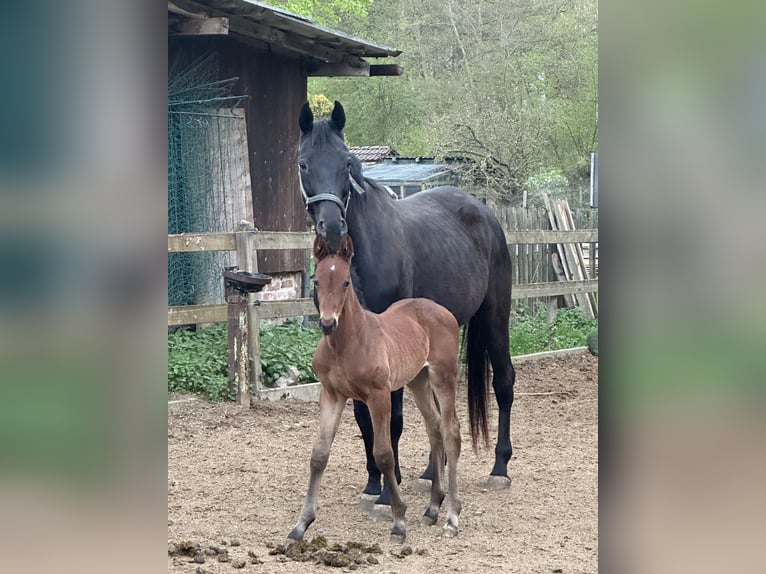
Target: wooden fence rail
x,y
247,243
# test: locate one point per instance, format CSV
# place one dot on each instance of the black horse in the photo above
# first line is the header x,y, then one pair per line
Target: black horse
x,y
441,244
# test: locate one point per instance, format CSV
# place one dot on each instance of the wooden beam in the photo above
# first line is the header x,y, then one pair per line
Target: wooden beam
x,y
225,241
198,27
191,314
184,242
346,70
217,313
386,70
287,308
325,70
553,288
551,236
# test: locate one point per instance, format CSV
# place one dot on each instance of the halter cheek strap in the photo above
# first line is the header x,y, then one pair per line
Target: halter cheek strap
x,y
330,196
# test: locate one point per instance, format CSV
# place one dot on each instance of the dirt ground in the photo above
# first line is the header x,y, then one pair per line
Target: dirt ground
x,y
237,478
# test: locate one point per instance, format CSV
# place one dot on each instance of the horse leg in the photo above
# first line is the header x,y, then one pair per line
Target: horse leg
x,y
380,411
503,380
330,411
363,420
424,399
397,423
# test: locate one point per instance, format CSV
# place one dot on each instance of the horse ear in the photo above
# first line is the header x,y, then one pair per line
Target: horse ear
x,y
346,248
338,116
306,118
320,248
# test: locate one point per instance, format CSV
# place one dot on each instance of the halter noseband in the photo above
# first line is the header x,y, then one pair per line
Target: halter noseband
x,y
331,196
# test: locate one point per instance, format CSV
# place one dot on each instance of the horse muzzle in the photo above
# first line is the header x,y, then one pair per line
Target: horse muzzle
x,y
328,326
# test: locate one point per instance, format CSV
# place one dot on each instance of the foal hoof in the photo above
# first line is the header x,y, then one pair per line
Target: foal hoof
x,y
496,482
449,531
397,538
295,535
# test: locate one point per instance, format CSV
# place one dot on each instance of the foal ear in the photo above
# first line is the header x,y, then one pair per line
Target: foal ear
x,y
346,248
338,116
321,250
306,118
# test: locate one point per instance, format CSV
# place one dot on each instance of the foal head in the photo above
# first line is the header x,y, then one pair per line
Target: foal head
x,y
332,280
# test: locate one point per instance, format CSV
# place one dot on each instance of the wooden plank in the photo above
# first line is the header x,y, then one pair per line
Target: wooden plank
x,y
561,209
225,241
282,239
191,314
551,236
186,242
199,27
554,288
287,308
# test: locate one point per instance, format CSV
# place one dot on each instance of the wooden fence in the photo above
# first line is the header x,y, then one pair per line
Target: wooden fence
x,y
531,250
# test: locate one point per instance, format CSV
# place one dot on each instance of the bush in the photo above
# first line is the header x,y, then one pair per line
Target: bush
x,y
532,334
198,363
198,360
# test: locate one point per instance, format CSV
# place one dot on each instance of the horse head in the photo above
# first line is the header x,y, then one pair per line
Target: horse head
x,y
332,279
328,173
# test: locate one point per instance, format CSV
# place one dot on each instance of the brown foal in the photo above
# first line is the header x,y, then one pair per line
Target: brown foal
x,y
366,356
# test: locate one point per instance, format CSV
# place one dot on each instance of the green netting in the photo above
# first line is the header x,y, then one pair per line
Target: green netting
x,y
199,172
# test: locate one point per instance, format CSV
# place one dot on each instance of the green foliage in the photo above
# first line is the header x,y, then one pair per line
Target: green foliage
x,y
593,342
288,345
530,333
512,85
325,11
197,362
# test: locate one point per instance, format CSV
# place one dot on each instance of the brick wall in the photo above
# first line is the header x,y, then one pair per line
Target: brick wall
x,y
282,286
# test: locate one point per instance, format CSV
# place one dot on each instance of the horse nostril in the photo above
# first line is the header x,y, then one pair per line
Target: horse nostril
x,y
343,226
328,325
321,227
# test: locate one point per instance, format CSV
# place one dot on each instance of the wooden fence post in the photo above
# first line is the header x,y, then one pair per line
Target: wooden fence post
x,y
247,261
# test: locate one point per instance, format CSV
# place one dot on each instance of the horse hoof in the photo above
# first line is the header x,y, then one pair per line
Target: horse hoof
x,y
449,531
397,538
427,520
372,489
496,482
295,535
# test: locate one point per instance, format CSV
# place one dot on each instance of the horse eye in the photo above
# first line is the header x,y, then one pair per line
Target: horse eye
x,y
302,165
316,283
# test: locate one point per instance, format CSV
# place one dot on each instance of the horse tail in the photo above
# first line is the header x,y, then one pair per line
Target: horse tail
x,y
478,379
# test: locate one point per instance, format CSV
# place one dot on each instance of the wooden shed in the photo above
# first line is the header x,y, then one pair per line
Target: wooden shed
x,y
262,56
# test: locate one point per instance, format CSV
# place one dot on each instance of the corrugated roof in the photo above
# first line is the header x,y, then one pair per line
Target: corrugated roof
x,y
396,172
272,25
373,152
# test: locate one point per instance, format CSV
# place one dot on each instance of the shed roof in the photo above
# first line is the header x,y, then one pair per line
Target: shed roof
x,y
373,152
289,32
410,170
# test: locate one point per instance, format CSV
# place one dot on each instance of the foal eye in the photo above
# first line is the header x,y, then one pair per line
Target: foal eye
x,y
346,283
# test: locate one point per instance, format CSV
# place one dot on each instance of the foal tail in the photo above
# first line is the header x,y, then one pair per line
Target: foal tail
x,y
478,379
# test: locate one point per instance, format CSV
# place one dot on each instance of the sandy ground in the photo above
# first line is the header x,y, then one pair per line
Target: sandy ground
x,y
237,479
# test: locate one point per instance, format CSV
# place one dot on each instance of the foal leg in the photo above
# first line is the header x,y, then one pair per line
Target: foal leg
x,y
362,416
380,411
330,411
424,399
450,428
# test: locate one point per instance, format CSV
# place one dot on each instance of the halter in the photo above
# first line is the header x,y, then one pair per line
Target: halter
x,y
330,196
